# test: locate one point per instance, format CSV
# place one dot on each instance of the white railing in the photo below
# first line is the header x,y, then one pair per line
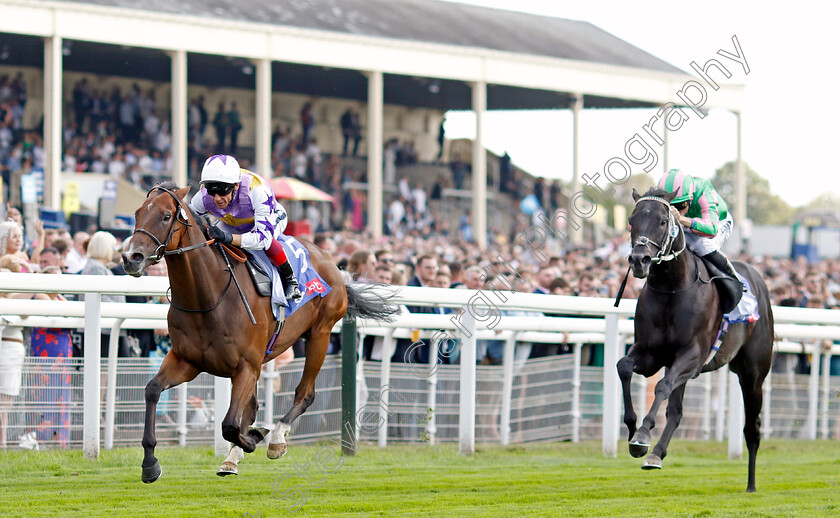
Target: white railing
x,y
479,318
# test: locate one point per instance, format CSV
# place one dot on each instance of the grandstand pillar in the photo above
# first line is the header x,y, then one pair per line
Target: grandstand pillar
x,y
178,116
740,181
53,71
666,148
374,163
479,166
576,234
263,129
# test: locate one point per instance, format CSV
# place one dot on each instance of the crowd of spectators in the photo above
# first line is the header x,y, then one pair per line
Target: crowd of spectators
x,y
434,261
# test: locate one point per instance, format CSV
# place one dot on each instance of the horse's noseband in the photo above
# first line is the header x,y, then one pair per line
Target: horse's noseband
x,y
669,238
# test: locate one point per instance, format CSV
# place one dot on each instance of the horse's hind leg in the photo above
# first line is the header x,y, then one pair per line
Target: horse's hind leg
x,y
751,382
316,350
673,416
173,371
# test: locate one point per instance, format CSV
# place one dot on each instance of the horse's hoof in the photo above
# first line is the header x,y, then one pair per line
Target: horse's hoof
x,y
638,449
275,451
652,462
258,433
151,473
227,468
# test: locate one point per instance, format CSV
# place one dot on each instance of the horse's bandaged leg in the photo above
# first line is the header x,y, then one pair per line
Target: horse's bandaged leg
x,y
231,464
277,441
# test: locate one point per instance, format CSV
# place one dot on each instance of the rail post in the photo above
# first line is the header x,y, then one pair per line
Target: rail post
x,y
349,429
466,419
92,368
612,395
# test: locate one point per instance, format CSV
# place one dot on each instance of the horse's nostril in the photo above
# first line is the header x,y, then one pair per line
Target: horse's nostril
x,y
136,257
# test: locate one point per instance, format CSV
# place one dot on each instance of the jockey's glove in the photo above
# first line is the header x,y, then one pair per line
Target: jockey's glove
x,y
221,236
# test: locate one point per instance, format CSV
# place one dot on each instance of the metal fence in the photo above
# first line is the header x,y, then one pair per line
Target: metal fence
x,y
545,404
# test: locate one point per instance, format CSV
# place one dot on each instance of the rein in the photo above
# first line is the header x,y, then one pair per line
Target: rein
x,y
664,247
161,251
181,218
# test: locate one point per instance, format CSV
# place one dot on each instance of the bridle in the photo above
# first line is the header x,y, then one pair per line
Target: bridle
x,y
180,217
664,247
665,253
161,250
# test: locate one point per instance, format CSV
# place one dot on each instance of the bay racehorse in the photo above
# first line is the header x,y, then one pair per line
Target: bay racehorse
x,y
678,315
212,332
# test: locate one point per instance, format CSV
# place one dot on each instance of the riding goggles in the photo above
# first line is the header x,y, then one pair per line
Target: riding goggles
x,y
220,188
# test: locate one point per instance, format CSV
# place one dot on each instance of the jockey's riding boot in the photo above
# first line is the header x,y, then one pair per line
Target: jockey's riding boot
x,y
723,264
290,283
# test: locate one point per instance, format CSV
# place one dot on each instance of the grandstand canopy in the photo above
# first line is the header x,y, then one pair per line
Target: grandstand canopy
x,y
426,48
414,53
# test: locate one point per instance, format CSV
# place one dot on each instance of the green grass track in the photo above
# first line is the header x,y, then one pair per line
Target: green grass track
x,y
795,478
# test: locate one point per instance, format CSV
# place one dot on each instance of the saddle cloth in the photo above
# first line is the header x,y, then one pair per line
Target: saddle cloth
x,y
747,308
311,284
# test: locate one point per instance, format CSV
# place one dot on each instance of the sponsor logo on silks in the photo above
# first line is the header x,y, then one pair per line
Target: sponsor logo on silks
x,y
315,286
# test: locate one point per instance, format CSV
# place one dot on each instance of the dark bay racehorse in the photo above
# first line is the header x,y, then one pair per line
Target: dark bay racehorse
x,y
211,330
677,319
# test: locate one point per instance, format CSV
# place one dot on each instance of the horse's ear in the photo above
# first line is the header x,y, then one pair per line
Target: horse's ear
x,y
636,195
182,193
670,196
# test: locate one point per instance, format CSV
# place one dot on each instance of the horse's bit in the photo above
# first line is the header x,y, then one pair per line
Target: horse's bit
x,y
670,236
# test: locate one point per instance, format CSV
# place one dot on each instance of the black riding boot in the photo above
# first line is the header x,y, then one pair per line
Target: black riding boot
x,y
290,283
722,263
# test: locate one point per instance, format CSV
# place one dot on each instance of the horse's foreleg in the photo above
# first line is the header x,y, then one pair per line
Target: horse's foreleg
x,y
242,411
231,464
316,351
625,373
675,376
673,416
173,371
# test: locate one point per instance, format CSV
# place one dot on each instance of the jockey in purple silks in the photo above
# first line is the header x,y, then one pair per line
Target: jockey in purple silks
x,y
250,218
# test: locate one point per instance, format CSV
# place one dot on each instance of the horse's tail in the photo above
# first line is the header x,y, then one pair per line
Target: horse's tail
x,y
366,301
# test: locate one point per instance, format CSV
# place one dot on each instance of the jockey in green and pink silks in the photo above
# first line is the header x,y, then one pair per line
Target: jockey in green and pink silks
x,y
248,213
707,221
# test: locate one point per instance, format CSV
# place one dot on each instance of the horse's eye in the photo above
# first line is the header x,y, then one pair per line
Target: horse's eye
x,y
663,222
167,216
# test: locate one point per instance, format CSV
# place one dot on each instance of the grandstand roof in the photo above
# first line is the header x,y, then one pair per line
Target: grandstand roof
x,y
425,21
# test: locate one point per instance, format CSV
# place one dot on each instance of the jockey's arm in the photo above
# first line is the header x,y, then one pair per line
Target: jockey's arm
x,y
197,204
706,224
261,235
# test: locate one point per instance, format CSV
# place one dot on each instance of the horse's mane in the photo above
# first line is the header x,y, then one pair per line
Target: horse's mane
x,y
169,185
655,191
